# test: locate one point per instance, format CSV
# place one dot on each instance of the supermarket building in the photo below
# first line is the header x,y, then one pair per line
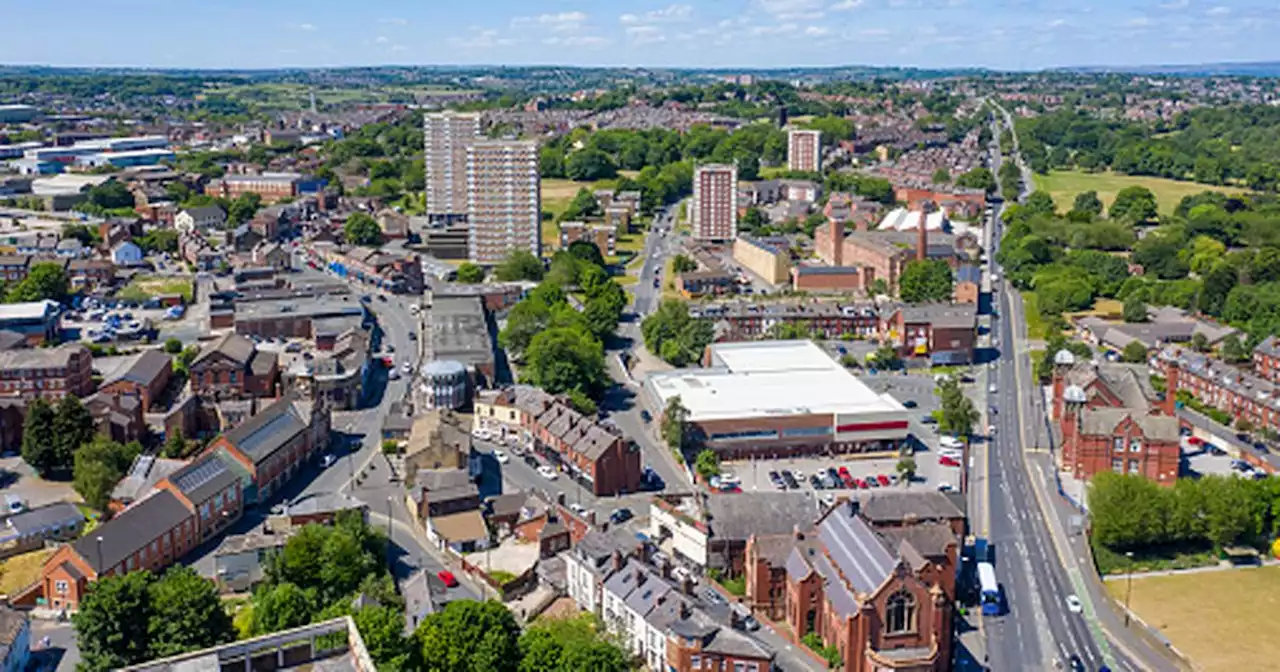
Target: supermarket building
x,y
772,399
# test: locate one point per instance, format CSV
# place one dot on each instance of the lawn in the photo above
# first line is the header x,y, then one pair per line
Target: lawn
x,y
1031,312
1218,619
22,570
1063,185
146,287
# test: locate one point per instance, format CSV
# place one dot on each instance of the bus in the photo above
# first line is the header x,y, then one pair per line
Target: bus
x,y
990,589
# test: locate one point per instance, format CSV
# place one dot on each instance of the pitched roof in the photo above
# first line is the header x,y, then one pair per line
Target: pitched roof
x,y
854,549
1095,421
38,520
760,513
271,428
205,476
232,345
132,529
883,506
144,368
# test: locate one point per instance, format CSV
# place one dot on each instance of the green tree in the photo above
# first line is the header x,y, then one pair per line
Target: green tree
x,y
172,346
46,280
175,446
1233,351
1088,202
789,331
1126,510
1040,203
98,466
187,614
1134,353
362,229
926,281
72,428
469,273
110,195
1199,342
280,607
382,629
958,414
1134,204
243,208
590,164
1135,309
519,265
583,205
941,176
753,220
675,336
561,359
675,423
587,252
113,622
977,178
38,447
707,464
683,264
906,468
885,357
469,636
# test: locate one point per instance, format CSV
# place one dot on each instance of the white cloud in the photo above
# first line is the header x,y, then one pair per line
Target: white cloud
x,y
576,41
395,21
816,31
668,14
561,22
1138,22
645,35
481,39
381,39
306,26
775,29
787,10
1220,10
1057,23
846,5
1176,4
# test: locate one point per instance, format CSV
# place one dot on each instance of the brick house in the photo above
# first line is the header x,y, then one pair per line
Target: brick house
x,y
210,486
91,272
145,378
1110,418
232,367
602,461
946,333
152,534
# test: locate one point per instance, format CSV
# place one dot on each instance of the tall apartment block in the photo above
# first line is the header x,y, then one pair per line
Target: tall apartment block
x,y
447,136
504,199
713,214
804,150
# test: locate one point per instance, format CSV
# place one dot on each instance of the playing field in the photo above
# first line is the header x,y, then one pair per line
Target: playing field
x,y
1221,620
1063,185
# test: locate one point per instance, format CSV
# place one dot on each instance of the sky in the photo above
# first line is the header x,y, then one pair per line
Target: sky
x,y
1003,34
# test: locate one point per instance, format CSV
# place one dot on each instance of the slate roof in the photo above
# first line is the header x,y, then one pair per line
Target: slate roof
x,y
894,507
1130,383
45,518
234,346
132,529
854,549
271,428
760,513
145,368
1095,421
204,477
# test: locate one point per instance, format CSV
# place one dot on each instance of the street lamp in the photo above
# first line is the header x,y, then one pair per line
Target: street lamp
x,y
100,568
1128,591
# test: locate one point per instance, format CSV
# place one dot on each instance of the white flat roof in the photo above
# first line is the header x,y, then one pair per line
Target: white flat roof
x,y
769,378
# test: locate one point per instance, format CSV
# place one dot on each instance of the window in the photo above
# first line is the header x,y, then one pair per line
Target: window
x,y
1117,465
900,613
60,587
1119,444
695,662
1134,467
1135,445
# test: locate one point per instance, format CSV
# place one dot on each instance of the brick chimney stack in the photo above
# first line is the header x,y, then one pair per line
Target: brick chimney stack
x,y
836,231
922,240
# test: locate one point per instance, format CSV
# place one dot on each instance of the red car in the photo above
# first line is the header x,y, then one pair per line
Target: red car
x,y
1194,440
884,480
448,578
860,484
846,477
948,461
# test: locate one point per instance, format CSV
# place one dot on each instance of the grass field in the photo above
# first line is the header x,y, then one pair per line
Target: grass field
x,y
1031,311
1220,619
145,287
1063,185
22,570
1109,309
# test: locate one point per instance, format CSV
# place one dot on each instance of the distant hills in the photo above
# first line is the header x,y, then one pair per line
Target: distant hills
x,y
1256,69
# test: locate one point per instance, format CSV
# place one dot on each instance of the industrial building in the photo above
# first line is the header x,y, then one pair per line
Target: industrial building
x,y
780,398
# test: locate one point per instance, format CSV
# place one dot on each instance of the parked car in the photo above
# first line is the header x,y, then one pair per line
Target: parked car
x,y
872,482
790,479
620,516
532,461
948,461
447,578
328,460
548,473
776,480
883,479
501,457
909,404
646,416
816,482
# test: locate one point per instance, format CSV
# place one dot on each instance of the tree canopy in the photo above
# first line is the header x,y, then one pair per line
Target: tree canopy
x,y
926,281
362,229
672,334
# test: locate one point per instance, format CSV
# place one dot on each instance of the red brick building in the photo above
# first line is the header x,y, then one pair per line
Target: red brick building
x,y
1110,418
145,378
232,367
946,333
599,459
879,597
50,373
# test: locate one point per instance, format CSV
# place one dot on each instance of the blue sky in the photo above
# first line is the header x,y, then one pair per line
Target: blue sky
x,y
1017,34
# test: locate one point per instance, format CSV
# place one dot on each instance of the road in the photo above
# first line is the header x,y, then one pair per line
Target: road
x,y
1039,560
